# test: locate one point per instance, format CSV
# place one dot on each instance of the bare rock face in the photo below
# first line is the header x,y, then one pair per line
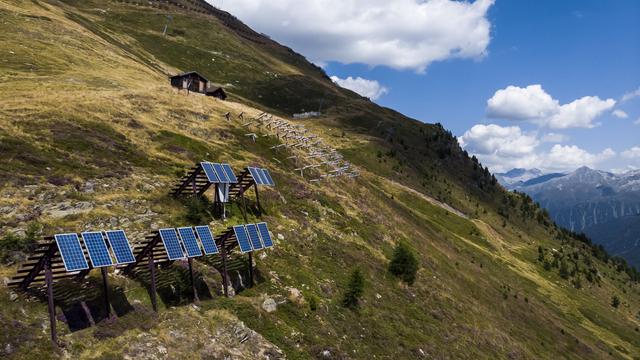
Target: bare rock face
x,y
67,208
191,333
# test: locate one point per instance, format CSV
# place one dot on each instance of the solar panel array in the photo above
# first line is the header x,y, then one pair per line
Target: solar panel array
x,y
184,242
218,173
261,176
252,237
73,253
113,248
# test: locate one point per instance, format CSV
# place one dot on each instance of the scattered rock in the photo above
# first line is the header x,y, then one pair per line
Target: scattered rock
x,y
269,305
280,236
13,296
326,354
162,350
326,288
378,296
146,187
89,187
295,296
67,208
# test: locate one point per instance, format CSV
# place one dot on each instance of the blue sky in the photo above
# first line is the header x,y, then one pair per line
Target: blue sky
x,y
588,50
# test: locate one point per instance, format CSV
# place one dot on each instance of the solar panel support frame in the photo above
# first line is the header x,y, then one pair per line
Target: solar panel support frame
x,y
152,275
196,300
105,288
51,305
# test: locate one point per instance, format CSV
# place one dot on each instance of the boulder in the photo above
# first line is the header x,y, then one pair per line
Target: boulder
x,y
269,305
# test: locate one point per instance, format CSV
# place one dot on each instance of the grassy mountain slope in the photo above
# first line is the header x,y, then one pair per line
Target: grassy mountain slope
x,y
92,136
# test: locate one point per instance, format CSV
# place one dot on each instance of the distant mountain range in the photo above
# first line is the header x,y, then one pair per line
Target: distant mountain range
x,y
604,205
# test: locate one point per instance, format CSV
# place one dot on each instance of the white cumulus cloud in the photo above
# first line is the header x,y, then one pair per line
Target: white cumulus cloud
x,y
402,34
563,157
368,88
620,114
536,105
503,148
633,153
516,103
631,95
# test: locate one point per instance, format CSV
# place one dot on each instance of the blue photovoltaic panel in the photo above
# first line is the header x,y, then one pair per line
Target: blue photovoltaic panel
x,y
256,176
206,238
242,237
190,242
264,234
120,247
221,174
98,251
254,237
171,244
267,177
71,252
229,171
210,172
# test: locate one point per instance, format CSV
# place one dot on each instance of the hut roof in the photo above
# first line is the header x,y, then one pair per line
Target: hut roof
x,y
190,73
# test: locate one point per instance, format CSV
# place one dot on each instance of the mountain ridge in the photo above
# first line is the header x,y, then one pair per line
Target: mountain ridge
x,y
594,202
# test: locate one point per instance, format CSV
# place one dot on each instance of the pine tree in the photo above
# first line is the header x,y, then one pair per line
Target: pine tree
x,y
355,289
404,264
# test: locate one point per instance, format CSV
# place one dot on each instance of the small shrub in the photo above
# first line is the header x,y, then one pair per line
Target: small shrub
x,y
355,289
313,302
198,210
615,301
404,264
12,244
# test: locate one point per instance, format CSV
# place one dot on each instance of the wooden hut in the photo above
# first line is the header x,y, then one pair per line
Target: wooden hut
x,y
191,81
216,91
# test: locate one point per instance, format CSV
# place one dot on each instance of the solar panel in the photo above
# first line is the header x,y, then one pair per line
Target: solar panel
x,y
206,238
120,246
264,234
221,174
171,244
190,242
254,237
210,172
229,171
256,177
242,237
267,176
71,252
98,251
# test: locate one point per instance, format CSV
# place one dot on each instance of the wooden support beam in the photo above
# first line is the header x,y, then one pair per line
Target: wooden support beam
x,y
152,273
105,287
193,282
223,252
52,308
250,269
